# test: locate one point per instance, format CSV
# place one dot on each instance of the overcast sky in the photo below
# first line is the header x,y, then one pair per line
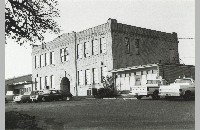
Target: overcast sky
x,y
76,15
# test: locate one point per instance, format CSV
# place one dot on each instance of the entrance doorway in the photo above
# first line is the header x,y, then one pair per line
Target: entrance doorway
x,y
65,84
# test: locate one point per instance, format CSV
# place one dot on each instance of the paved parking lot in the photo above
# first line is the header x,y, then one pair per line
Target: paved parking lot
x,y
103,114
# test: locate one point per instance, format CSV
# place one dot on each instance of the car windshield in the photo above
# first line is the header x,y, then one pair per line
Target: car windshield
x,y
27,93
34,92
183,81
53,91
153,81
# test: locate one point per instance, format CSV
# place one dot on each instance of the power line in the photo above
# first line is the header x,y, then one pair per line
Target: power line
x,y
186,38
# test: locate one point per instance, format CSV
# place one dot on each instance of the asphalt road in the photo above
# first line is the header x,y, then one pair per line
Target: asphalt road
x,y
97,114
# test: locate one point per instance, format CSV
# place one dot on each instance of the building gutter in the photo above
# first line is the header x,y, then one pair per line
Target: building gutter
x,y
76,87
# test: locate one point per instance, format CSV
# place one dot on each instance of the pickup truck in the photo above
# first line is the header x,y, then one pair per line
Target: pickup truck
x,y
151,88
184,87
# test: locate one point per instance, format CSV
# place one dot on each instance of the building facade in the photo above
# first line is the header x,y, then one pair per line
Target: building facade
x,y
77,61
128,77
19,85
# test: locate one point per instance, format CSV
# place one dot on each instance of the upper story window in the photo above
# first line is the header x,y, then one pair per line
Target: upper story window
x,y
52,58
87,77
47,58
103,45
94,47
80,77
80,51
137,46
127,43
87,49
35,59
64,54
42,60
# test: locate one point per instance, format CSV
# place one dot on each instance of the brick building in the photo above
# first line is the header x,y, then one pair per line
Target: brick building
x,y
77,61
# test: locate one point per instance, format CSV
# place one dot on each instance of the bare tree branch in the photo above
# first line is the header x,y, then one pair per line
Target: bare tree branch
x,y
25,20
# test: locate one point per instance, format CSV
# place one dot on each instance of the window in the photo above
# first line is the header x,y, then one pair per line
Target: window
x,y
150,72
87,77
137,46
80,51
52,57
144,72
64,54
36,83
103,72
35,61
52,82
138,73
47,59
127,43
80,77
38,61
42,60
103,46
46,81
94,47
86,49
155,71
40,83
95,76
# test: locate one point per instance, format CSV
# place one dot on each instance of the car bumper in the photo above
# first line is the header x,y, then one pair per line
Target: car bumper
x,y
173,94
17,100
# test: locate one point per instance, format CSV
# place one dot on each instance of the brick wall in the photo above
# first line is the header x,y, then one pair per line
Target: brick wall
x,y
59,69
94,61
154,46
172,72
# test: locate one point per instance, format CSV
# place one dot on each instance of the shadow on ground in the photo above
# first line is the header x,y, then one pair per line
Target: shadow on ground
x,y
16,120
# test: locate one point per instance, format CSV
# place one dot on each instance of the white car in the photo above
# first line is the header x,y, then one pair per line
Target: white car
x,y
22,98
184,87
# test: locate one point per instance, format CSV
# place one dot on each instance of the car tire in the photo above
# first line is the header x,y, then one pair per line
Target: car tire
x,y
187,95
155,95
44,99
64,98
138,97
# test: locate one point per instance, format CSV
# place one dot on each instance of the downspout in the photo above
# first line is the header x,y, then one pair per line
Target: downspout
x,y
76,87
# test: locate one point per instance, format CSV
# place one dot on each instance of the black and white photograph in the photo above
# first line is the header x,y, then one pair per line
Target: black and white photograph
x,y
99,64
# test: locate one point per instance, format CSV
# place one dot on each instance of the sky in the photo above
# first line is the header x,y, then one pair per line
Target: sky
x,y
77,15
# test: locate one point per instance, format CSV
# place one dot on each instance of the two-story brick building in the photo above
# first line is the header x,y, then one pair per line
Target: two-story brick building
x,y
77,61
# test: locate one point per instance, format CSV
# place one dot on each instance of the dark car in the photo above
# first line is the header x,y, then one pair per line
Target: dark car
x,y
51,95
36,96
22,98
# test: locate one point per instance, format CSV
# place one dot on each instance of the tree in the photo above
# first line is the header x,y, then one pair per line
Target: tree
x,y
28,20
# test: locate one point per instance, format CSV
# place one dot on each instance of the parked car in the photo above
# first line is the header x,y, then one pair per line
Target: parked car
x,y
184,87
9,96
36,96
22,98
51,95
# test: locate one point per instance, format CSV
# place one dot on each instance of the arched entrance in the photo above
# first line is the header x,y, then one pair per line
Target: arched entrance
x,y
65,84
